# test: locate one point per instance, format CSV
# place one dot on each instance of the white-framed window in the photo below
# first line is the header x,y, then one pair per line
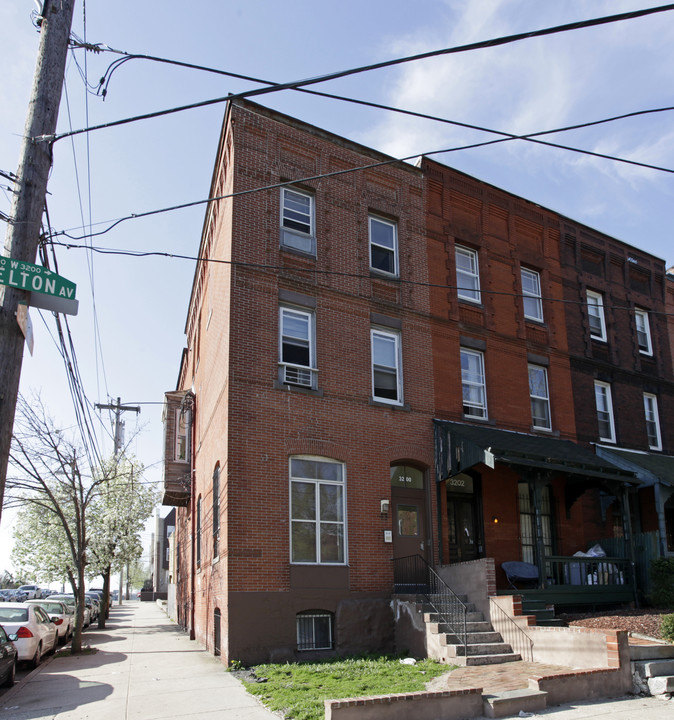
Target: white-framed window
x,y
540,397
297,356
473,383
467,274
383,245
314,630
298,220
595,313
317,511
182,435
386,366
216,512
643,331
652,421
602,396
531,294
197,539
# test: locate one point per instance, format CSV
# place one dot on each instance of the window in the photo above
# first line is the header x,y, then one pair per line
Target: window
x,y
595,312
317,511
540,398
314,630
467,274
198,533
531,291
652,421
297,220
528,526
296,351
473,384
383,246
386,372
216,511
643,332
602,396
182,442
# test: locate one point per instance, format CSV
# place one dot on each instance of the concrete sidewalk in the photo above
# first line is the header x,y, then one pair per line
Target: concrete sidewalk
x,y
146,668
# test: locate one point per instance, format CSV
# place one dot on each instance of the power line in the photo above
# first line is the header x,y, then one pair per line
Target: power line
x,y
329,273
300,84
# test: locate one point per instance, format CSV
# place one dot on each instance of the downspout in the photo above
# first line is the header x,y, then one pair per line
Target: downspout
x,y
193,489
662,527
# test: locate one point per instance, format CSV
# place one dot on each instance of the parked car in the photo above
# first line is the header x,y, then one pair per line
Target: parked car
x,y
62,615
72,603
6,595
35,631
32,591
8,658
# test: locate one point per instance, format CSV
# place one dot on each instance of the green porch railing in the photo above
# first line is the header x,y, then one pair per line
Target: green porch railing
x,y
604,572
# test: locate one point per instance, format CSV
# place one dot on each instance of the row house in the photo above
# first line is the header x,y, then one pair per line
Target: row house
x,y
382,364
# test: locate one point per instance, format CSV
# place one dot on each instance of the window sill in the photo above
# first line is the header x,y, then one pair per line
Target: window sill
x,y
297,252
215,560
476,418
318,392
383,275
374,402
544,431
472,303
598,339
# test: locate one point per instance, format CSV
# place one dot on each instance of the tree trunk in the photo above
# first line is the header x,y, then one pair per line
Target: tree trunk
x,y
76,644
105,601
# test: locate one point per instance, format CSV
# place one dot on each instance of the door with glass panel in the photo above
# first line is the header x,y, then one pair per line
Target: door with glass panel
x,y
408,505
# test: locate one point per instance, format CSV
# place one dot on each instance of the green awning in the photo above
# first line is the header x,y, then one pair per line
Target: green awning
x,y
460,446
649,467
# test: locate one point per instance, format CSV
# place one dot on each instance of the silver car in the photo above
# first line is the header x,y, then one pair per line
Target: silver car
x,y
36,633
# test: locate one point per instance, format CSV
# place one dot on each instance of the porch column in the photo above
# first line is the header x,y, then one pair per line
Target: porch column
x,y
537,482
627,530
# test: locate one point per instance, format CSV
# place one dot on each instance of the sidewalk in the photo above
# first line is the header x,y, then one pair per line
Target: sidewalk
x,y
146,668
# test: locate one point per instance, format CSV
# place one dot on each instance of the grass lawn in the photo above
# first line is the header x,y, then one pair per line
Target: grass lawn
x,y
299,689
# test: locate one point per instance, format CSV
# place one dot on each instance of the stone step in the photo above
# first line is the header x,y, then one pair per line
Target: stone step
x,y
435,617
661,685
654,668
499,648
651,652
514,702
485,638
475,660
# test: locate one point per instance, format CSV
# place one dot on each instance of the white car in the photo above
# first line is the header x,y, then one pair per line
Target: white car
x,y
62,615
32,591
35,631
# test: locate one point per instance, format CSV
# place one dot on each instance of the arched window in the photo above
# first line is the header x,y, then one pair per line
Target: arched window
x,y
216,632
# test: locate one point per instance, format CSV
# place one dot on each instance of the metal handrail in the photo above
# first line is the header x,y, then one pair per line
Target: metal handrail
x,y
413,575
510,632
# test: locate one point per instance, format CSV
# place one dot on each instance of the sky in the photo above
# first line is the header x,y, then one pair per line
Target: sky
x,y
129,332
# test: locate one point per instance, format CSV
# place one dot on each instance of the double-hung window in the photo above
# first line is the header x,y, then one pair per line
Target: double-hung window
x,y
540,397
473,383
317,511
595,313
602,396
216,512
467,274
643,332
383,246
386,367
531,295
297,356
652,421
298,220
182,435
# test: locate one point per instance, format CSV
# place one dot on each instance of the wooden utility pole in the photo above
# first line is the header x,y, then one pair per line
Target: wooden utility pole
x,y
30,190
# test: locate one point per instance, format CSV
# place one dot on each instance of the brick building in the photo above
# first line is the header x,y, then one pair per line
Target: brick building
x,y
377,366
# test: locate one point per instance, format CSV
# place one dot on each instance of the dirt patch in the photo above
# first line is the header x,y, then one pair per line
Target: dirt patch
x,y
640,622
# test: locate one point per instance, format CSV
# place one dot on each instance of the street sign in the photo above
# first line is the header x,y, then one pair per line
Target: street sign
x,y
35,278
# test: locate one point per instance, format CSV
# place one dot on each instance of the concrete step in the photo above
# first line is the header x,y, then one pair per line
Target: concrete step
x,y
651,652
654,668
489,638
514,702
475,660
499,648
661,685
471,617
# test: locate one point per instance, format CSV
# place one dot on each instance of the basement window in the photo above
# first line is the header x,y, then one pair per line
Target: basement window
x,y
314,630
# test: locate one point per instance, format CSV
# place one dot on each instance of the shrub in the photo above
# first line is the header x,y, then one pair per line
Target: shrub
x,y
662,582
667,627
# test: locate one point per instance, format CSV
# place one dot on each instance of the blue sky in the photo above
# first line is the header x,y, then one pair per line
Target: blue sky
x,y
533,85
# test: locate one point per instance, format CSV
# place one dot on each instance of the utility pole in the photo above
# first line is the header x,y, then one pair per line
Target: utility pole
x,y
30,190
118,409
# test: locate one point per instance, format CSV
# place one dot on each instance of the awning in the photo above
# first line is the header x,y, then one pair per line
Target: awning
x,y
460,446
650,468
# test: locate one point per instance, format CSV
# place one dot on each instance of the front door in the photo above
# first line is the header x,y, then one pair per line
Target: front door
x,y
408,501
463,522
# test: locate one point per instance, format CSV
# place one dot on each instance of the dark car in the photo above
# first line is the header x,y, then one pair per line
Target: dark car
x,y
8,658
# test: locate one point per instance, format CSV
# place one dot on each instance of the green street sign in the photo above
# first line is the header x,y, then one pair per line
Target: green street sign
x,y
35,278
